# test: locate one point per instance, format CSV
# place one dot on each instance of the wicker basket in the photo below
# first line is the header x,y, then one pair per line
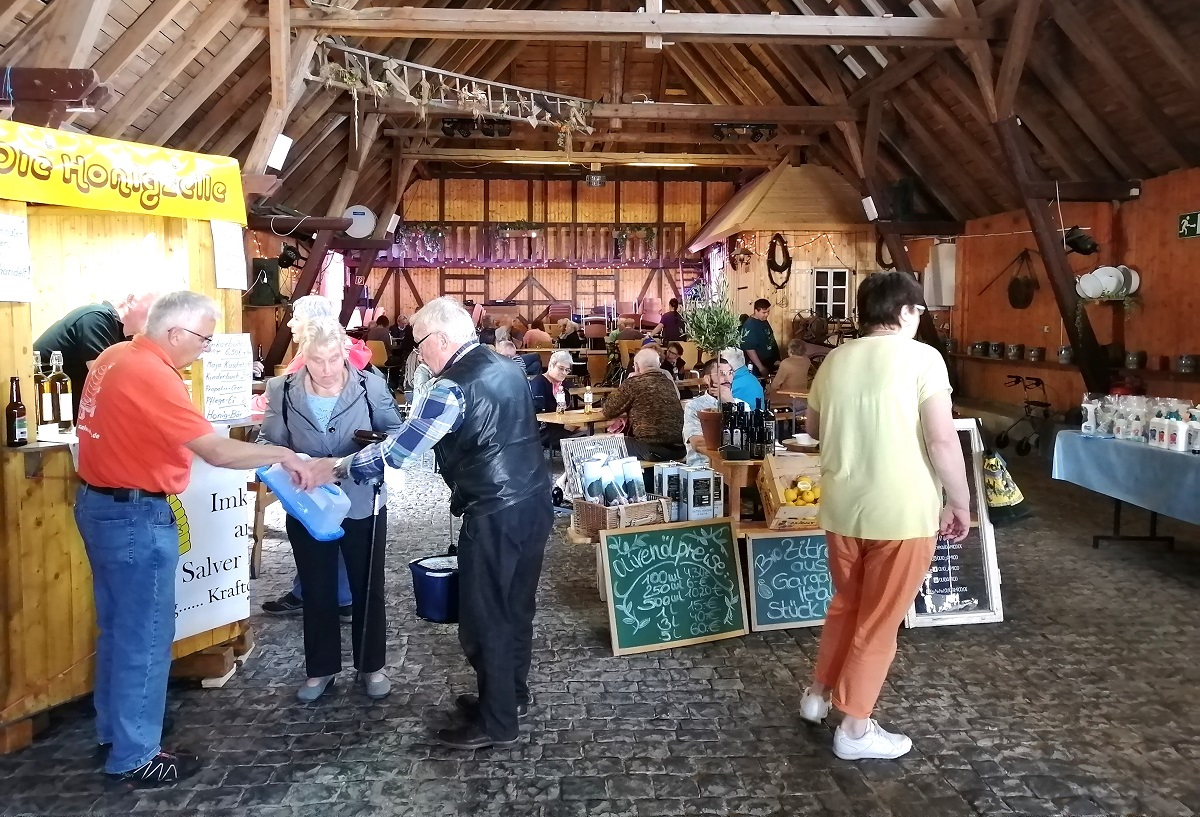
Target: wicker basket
x,y
590,518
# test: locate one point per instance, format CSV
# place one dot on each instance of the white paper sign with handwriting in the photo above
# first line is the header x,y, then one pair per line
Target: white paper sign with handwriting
x,y
16,274
228,376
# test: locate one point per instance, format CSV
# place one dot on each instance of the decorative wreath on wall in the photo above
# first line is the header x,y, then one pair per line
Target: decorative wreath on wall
x,y
777,263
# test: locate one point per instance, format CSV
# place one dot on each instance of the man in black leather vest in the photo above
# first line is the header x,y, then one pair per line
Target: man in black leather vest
x,y
477,415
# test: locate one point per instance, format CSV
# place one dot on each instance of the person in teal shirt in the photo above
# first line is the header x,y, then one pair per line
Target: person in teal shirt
x,y
758,340
745,385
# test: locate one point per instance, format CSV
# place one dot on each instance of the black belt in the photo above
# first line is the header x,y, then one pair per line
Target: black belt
x,y
126,494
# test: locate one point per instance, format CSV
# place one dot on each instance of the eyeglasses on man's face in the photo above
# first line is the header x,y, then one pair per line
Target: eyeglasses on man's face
x,y
205,340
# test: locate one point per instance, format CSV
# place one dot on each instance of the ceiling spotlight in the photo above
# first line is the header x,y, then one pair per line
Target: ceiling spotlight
x,y
457,127
1078,241
718,133
448,127
493,128
757,134
464,129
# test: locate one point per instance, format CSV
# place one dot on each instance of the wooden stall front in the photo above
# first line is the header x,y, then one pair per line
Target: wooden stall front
x,y
47,618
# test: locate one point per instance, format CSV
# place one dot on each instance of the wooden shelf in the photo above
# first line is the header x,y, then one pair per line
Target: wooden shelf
x,y
1052,365
1160,374
36,448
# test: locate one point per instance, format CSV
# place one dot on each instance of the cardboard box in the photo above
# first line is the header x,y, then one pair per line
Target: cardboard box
x,y
666,483
696,494
777,474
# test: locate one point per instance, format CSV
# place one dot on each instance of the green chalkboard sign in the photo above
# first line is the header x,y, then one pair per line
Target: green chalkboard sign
x,y
673,585
790,585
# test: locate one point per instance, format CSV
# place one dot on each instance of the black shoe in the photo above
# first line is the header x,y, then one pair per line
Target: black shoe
x,y
470,737
469,704
165,769
346,613
286,605
102,749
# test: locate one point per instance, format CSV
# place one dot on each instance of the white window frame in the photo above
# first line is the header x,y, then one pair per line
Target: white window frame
x,y
827,305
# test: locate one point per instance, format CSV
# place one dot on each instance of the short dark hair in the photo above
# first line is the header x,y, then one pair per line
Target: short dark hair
x,y
676,346
742,318
882,295
538,325
709,365
382,320
762,303
674,302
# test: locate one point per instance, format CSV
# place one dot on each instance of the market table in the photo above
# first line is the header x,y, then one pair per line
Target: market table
x,y
737,474
1161,481
577,417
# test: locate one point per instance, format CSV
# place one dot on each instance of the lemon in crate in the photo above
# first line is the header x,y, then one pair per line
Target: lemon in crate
x,y
181,522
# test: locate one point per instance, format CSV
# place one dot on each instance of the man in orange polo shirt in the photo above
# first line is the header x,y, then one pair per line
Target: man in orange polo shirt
x,y
138,431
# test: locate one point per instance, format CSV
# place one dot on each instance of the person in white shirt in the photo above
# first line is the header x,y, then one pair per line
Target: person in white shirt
x,y
717,376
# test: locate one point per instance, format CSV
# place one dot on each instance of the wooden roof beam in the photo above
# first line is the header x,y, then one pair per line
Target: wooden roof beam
x,y
30,37
1181,60
228,105
635,27
164,71
670,112
71,34
558,157
702,137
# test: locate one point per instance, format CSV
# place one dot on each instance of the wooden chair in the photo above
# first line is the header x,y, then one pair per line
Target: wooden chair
x,y
628,349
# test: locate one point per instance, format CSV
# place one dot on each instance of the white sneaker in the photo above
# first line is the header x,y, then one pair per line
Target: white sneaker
x,y
876,744
813,708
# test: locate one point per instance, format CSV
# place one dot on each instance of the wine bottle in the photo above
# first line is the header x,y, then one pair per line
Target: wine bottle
x,y
43,409
60,393
726,424
258,358
770,430
16,424
756,431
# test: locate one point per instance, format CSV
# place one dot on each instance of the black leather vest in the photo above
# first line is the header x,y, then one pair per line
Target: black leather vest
x,y
494,460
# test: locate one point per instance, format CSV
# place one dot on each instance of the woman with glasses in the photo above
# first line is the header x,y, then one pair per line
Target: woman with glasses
x,y
316,411
546,389
893,479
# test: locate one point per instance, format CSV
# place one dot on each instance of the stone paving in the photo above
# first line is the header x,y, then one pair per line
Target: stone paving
x,y
1083,702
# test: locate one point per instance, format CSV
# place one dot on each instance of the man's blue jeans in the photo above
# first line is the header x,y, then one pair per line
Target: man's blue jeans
x,y
133,548
343,584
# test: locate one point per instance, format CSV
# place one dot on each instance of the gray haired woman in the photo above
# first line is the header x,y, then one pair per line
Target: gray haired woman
x,y
316,410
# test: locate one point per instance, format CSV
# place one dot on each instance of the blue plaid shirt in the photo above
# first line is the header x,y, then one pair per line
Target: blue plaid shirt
x,y
435,412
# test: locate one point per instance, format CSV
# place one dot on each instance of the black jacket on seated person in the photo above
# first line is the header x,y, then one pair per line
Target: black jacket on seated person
x,y
543,393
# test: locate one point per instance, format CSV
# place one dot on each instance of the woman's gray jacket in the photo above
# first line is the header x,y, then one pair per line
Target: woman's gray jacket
x,y
365,403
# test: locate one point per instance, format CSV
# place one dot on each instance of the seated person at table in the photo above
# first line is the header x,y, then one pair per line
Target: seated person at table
x,y
717,375
379,331
745,385
532,362
673,362
654,426
487,330
544,388
793,372
571,337
536,337
627,330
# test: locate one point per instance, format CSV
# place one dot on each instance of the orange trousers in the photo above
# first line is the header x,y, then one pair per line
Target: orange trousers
x,y
874,582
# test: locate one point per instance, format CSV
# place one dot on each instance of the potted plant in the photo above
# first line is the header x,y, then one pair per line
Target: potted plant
x,y
709,321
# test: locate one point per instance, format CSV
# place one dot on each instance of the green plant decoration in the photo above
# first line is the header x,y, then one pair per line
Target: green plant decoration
x,y
709,321
1129,305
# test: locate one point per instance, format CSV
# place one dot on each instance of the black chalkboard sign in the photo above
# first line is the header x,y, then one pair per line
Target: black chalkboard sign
x,y
673,585
790,585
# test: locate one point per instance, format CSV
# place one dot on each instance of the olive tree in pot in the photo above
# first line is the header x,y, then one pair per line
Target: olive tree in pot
x,y
709,321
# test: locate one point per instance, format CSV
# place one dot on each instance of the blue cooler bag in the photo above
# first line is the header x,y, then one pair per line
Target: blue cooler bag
x,y
435,587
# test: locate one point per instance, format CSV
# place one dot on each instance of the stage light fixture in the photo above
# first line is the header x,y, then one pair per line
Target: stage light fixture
x,y
1078,241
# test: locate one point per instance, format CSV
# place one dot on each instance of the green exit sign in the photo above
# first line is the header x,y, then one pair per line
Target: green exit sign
x,y
1189,225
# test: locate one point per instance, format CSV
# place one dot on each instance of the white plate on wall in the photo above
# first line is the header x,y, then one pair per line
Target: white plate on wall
x,y
1112,281
1090,286
1132,279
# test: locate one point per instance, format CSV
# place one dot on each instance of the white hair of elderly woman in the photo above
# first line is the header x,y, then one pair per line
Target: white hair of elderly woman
x,y
446,315
569,326
320,333
647,360
312,306
506,348
562,357
182,309
734,356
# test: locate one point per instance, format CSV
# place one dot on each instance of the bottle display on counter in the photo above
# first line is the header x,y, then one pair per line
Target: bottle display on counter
x,y
42,405
60,393
16,423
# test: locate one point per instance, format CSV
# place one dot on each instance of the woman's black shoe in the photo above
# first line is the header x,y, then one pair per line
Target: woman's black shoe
x,y
164,769
102,749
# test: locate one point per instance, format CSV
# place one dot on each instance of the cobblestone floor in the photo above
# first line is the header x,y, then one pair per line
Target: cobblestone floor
x,y
1083,702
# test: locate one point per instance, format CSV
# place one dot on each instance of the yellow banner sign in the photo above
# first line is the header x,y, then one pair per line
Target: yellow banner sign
x,y
77,170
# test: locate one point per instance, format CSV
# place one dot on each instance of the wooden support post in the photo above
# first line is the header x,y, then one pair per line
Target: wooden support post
x,y
304,284
1088,354
367,259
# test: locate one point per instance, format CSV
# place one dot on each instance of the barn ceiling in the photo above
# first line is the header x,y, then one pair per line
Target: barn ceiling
x,y
1108,89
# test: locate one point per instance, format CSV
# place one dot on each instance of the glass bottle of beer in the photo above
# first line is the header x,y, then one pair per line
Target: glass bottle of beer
x,y
43,410
16,427
60,393
258,358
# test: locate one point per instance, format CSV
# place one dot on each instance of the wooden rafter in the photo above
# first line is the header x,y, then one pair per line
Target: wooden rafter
x,y
1013,64
676,112
635,27
595,157
71,34
1181,60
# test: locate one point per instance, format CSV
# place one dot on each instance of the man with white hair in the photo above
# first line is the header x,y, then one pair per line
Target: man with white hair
x,y
745,385
653,415
477,415
83,333
138,430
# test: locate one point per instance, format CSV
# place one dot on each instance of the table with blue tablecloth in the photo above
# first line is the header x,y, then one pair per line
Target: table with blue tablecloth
x,y
1161,481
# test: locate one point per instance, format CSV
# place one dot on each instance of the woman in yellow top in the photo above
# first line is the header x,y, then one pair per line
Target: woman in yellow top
x,y
881,407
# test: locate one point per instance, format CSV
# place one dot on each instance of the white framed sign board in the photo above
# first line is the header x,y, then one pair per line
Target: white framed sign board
x,y
963,583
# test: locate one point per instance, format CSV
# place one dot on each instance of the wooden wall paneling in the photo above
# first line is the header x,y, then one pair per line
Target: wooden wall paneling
x,y
421,201
558,202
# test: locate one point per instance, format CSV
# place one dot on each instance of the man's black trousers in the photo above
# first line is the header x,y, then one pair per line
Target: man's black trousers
x,y
499,563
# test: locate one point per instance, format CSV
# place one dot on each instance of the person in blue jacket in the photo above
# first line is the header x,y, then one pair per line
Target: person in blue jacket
x,y
745,385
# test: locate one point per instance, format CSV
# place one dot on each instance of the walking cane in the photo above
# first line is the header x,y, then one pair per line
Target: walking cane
x,y
362,639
